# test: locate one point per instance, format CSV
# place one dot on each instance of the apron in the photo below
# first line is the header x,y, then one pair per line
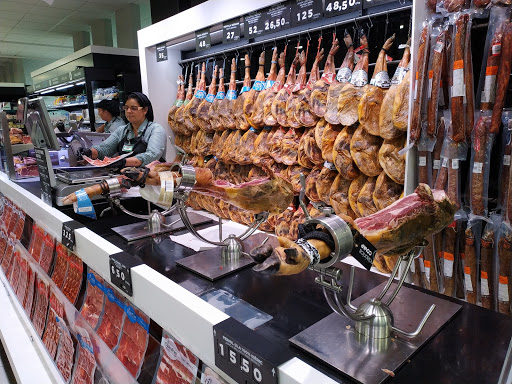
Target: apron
x,y
136,145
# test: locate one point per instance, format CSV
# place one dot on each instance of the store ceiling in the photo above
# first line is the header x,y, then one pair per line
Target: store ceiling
x,y
32,29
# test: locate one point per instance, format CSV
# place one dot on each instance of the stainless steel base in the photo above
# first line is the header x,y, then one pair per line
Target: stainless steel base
x,y
211,265
335,341
140,230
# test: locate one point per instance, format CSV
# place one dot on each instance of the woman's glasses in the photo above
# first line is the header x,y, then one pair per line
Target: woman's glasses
x,y
131,108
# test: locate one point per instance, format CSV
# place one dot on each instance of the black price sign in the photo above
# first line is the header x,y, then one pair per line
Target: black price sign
x,y
253,27
203,40
68,234
341,7
161,52
305,11
244,355
120,271
45,174
271,20
374,3
363,251
231,31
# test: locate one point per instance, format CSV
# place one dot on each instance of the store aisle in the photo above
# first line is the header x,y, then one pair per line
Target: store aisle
x,y
6,375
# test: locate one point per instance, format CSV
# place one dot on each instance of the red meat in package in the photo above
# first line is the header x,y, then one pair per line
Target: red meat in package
x,y
65,351
29,295
134,340
56,304
7,212
13,274
73,281
36,242
51,334
112,319
94,299
61,265
46,259
177,364
17,222
7,261
41,305
3,242
85,363
21,289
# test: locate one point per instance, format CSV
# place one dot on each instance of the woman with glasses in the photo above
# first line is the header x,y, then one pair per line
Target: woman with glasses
x,y
141,137
109,111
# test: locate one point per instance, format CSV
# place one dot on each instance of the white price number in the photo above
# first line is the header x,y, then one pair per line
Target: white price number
x,y
66,234
118,273
232,356
230,35
304,15
256,374
339,5
202,44
244,366
253,30
274,24
161,55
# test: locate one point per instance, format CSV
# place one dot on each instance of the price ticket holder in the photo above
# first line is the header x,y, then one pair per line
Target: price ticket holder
x,y
373,332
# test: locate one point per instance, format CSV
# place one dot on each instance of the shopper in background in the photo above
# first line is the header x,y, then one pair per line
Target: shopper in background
x,y
142,137
109,111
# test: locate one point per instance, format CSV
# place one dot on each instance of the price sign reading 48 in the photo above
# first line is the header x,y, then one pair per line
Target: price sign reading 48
x,y
340,7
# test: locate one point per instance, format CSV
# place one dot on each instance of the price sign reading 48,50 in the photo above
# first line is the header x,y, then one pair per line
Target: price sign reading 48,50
x,y
340,7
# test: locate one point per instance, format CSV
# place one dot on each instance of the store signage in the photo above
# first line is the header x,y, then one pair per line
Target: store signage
x,y
273,19
246,356
251,22
54,81
305,11
68,233
41,85
45,174
78,74
374,3
342,7
161,52
65,78
203,40
120,271
363,251
231,31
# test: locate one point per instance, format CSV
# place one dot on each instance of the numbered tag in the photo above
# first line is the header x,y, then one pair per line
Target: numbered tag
x,y
161,52
363,251
341,7
231,31
305,11
68,234
203,40
120,265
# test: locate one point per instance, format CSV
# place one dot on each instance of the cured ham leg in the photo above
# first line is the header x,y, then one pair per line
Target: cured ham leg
x,y
257,88
238,107
226,117
190,112
180,98
318,101
179,117
256,113
279,104
303,110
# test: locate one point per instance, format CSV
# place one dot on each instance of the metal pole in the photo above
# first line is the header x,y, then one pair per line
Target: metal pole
x,y
506,371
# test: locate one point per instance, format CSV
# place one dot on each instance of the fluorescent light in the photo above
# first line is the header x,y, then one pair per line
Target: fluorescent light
x,y
47,91
80,83
65,87
299,47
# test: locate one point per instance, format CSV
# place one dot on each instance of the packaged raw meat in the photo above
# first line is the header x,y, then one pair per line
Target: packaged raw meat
x,y
7,261
47,253
55,303
21,288
36,242
40,304
504,270
85,363
487,271
19,224
65,350
51,334
94,299
14,273
7,212
61,265
73,281
3,242
176,364
209,376
29,294
112,319
364,149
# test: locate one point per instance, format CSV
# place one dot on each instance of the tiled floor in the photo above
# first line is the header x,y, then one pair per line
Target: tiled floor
x,y
6,375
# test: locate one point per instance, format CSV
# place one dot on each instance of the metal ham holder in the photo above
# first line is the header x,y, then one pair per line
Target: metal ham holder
x,y
228,256
364,337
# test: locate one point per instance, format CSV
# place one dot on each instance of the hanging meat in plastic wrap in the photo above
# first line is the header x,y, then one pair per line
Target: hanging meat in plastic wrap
x,y
401,103
339,197
179,117
258,86
261,153
225,110
279,104
371,101
313,152
324,182
386,191
283,223
329,136
343,77
311,191
180,98
387,127
302,157
353,192
257,112
246,148
364,149
238,108
293,173
202,115
268,118
303,112
290,146
389,159
350,95
213,112
318,100
190,112
342,158
294,92
275,144
365,203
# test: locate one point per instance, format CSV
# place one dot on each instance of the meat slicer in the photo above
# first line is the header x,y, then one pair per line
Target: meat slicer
x,y
368,337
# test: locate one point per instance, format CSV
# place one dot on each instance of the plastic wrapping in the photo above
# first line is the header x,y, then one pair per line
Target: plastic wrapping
x,y
505,269
61,265
450,257
65,350
436,153
94,299
506,151
487,264
51,334
85,362
41,302
431,265
111,322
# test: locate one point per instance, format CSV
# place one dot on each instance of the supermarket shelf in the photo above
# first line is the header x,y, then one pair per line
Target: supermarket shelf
x,y
68,105
17,148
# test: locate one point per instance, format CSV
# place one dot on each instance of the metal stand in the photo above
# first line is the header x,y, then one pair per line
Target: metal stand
x,y
229,256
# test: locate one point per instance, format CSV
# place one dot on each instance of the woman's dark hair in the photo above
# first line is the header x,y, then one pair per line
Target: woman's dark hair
x,y
143,101
111,106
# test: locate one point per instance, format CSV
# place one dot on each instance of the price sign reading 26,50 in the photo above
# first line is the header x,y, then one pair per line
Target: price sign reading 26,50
x,y
340,7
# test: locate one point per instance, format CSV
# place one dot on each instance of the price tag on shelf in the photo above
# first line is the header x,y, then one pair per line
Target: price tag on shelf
x,y
203,40
273,19
341,7
305,11
231,31
68,234
161,52
252,25
120,265
246,356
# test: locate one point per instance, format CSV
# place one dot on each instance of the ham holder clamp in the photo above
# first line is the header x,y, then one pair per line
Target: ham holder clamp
x,y
374,329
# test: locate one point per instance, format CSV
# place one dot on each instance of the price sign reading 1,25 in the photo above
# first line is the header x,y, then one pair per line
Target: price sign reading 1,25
x,y
305,11
340,7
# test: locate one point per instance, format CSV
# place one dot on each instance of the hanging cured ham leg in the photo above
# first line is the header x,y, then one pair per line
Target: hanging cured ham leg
x,y
394,230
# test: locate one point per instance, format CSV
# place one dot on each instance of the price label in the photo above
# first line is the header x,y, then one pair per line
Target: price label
x,y
161,52
244,355
341,7
231,31
203,40
68,234
120,271
363,251
271,20
251,22
305,11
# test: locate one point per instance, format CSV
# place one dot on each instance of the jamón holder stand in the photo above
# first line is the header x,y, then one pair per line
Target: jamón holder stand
x,y
228,256
374,332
